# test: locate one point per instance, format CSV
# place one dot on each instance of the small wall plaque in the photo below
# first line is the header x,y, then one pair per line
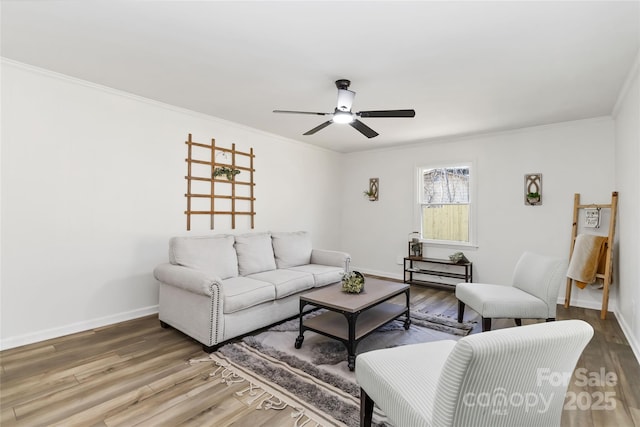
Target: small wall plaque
x,y
592,218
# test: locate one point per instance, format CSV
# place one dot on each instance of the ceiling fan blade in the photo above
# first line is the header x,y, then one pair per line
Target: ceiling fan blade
x,y
387,113
317,128
302,112
363,129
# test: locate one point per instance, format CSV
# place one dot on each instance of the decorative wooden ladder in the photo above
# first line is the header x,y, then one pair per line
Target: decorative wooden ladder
x,y
605,275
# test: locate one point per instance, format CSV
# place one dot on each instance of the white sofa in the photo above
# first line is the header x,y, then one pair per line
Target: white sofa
x,y
219,287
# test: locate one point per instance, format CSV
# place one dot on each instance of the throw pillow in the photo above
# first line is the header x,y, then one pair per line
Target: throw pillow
x,y
214,255
255,253
291,249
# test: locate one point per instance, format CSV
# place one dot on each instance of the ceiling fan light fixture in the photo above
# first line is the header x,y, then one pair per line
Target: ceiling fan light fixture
x,y
343,117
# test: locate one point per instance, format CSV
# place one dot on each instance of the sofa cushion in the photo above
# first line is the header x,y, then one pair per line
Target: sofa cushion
x,y
291,249
322,274
255,253
242,292
286,282
213,255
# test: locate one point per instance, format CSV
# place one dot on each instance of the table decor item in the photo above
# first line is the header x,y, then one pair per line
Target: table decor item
x,y
415,245
458,258
352,282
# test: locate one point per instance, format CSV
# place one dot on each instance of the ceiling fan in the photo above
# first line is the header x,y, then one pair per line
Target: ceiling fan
x,y
342,113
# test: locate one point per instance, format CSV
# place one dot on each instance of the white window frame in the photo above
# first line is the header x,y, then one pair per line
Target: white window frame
x,y
472,204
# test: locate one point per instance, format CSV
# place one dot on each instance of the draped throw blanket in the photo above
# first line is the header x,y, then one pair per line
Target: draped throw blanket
x,y
587,253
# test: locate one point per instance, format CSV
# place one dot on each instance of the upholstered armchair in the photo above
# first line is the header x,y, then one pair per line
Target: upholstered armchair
x,y
533,293
506,377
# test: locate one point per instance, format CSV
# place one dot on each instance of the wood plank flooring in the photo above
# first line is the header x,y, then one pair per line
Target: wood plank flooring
x,y
136,373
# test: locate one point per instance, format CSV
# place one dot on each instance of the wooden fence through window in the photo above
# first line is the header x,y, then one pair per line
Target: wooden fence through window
x,y
446,222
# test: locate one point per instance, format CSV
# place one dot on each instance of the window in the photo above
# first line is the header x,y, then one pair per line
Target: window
x,y
445,203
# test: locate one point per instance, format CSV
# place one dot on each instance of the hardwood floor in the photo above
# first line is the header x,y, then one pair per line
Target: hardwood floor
x,y
136,373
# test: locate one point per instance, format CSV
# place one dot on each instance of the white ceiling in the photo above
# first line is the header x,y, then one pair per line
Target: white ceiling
x,y
465,67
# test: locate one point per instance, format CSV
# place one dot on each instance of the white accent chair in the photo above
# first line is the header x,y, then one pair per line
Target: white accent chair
x,y
533,293
507,377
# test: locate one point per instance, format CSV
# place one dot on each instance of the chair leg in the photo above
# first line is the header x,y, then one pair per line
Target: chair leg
x,y
460,311
486,324
518,322
366,409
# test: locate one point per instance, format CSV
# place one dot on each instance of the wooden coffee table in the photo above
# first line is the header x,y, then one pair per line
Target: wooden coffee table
x,y
351,317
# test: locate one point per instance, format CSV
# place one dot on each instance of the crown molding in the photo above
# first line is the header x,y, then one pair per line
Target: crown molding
x,y
626,87
117,92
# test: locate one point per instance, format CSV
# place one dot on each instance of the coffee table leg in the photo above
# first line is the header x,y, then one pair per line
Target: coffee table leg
x,y
351,345
407,321
351,361
300,337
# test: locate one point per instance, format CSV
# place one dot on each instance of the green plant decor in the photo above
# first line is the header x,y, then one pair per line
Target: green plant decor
x,y
458,258
352,282
533,198
230,173
371,195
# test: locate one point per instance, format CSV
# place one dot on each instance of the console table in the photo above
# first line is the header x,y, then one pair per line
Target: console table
x,y
426,271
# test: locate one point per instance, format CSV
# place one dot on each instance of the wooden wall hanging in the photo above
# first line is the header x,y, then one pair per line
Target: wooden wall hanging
x,y
374,186
533,189
219,182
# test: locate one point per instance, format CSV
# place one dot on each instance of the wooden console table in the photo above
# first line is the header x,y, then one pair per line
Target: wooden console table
x,y
425,271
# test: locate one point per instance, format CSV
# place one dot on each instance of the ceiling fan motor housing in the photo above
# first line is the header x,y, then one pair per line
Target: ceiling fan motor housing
x,y
343,84
345,96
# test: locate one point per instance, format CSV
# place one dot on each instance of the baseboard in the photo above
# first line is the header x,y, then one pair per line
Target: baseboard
x,y
583,303
587,303
12,342
397,276
628,333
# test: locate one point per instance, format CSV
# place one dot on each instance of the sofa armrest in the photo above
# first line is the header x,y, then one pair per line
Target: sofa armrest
x,y
326,257
186,278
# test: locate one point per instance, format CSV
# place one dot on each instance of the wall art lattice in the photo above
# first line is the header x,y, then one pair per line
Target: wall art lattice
x,y
219,182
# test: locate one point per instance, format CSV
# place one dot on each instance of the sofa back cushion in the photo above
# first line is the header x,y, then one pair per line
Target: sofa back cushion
x,y
255,253
291,249
213,255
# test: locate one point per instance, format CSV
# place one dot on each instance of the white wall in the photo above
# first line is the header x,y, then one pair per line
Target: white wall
x,y
573,157
93,186
627,176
